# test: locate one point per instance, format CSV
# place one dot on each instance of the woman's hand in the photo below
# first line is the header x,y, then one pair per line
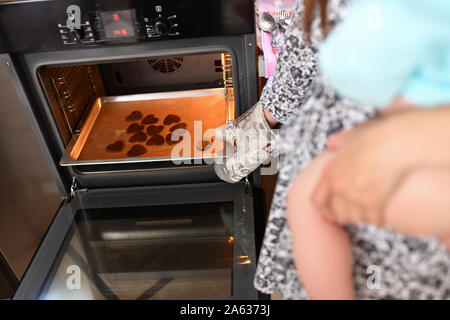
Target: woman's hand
x,y
374,157
254,144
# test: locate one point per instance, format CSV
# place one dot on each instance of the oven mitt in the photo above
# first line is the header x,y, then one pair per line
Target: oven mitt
x,y
253,143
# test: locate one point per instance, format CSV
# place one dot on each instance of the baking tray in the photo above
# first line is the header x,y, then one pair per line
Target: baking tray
x,y
106,124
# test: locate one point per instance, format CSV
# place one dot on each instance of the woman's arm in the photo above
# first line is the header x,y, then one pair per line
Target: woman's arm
x,y
296,68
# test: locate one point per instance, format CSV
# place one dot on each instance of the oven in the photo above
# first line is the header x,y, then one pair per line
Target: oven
x,y
123,98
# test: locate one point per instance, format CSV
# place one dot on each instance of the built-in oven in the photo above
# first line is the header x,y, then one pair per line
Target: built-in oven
x,y
123,98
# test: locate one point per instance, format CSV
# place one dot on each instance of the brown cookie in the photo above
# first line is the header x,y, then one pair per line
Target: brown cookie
x,y
134,128
157,140
136,150
178,126
171,118
115,147
138,137
150,119
134,116
154,130
172,139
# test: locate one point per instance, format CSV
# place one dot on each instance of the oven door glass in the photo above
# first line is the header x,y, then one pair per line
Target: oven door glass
x,y
155,252
154,248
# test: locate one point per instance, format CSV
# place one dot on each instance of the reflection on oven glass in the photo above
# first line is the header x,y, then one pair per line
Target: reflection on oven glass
x,y
159,252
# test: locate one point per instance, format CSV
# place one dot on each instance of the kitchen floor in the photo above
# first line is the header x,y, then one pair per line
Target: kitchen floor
x,y
28,195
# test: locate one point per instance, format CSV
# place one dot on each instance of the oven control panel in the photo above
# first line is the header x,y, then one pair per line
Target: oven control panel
x,y
60,24
117,26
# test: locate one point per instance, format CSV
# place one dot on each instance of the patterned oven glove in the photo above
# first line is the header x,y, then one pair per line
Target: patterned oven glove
x,y
253,143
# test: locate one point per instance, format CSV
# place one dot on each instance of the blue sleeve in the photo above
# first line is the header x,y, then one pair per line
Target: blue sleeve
x,y
379,45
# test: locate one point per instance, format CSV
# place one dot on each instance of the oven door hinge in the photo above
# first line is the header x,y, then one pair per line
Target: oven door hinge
x,y
244,197
247,186
244,204
75,189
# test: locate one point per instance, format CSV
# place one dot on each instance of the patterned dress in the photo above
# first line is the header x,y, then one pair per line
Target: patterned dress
x,y
387,264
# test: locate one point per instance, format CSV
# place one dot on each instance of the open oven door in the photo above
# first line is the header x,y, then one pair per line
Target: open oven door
x,y
172,242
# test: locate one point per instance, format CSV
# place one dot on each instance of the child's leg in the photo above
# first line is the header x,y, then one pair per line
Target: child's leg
x,y
421,204
446,241
322,249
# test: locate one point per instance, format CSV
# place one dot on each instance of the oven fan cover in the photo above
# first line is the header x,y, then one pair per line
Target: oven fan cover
x,y
166,65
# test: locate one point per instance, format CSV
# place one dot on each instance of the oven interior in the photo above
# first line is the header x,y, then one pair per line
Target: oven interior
x,y
129,111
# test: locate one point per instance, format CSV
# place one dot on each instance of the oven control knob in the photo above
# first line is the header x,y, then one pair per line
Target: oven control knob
x,y
161,28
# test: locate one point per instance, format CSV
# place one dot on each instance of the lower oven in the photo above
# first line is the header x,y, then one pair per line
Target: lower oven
x,y
123,98
172,242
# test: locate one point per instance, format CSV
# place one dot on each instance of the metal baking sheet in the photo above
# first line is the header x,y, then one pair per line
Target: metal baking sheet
x,y
106,124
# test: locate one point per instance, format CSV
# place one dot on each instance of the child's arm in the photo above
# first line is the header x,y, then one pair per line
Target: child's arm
x,y
420,204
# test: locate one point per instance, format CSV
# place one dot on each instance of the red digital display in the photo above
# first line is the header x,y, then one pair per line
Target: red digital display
x,y
118,24
119,33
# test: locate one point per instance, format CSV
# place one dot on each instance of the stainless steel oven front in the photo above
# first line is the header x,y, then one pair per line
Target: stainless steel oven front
x,y
105,85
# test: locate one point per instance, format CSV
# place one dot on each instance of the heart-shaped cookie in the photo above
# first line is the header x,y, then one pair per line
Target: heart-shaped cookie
x,y
134,128
150,119
115,147
134,116
136,150
178,126
138,137
154,130
171,118
157,140
172,139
